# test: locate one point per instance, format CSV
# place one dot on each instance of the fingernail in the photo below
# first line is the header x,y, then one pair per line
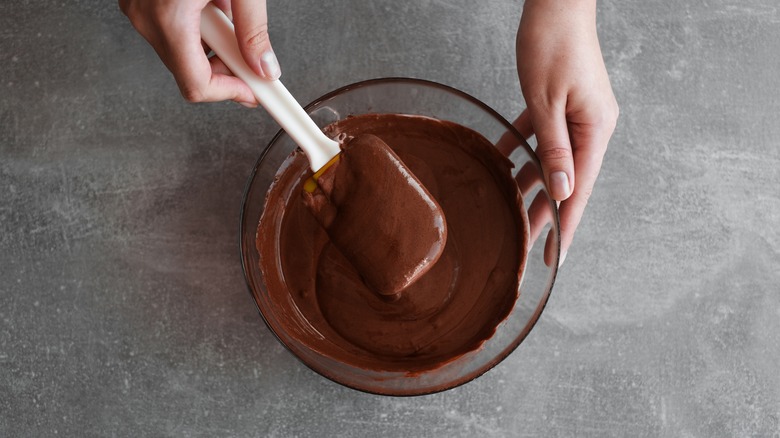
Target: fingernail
x,y
270,65
248,104
562,258
559,185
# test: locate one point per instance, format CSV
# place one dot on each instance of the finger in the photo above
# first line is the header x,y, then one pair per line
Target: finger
x,y
251,21
528,177
509,141
523,124
197,83
554,149
589,149
220,72
218,67
550,250
224,6
539,215
184,57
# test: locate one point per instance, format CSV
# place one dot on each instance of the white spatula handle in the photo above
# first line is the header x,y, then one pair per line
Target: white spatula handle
x,y
218,32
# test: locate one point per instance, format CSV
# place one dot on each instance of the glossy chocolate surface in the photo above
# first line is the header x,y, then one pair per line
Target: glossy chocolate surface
x,y
323,302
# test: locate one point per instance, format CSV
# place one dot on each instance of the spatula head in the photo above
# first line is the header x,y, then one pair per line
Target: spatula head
x,y
379,215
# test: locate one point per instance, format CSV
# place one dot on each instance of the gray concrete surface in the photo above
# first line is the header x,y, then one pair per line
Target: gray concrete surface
x,y
123,311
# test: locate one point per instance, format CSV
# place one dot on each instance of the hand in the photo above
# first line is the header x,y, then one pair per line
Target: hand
x,y
172,27
571,107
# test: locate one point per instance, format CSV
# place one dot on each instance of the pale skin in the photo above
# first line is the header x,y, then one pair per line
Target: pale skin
x,y
172,27
571,108
570,104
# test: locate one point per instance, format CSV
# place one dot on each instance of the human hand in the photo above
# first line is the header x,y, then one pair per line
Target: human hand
x,y
570,105
172,27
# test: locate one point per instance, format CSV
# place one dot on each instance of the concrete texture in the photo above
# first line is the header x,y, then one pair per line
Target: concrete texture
x,y
123,311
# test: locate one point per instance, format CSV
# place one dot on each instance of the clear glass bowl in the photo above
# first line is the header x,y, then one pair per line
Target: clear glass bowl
x,y
413,96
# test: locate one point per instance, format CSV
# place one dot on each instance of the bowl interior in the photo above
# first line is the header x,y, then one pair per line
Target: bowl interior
x,y
417,97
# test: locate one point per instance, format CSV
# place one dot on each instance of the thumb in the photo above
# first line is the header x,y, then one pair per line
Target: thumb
x,y
251,20
554,150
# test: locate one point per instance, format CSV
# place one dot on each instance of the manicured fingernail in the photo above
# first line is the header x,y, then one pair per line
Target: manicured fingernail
x,y
562,258
248,104
270,65
559,184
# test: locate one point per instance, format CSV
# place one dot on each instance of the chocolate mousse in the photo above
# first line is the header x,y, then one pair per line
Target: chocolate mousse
x,y
318,297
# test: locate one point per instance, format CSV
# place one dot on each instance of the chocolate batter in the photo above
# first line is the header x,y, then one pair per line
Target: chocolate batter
x,y
322,302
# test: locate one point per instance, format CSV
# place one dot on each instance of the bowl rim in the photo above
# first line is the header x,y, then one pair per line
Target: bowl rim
x,y
401,80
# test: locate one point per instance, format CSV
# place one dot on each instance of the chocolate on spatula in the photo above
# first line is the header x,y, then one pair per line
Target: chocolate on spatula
x,y
379,215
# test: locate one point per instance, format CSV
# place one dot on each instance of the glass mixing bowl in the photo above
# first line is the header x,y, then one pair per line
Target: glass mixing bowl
x,y
418,97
